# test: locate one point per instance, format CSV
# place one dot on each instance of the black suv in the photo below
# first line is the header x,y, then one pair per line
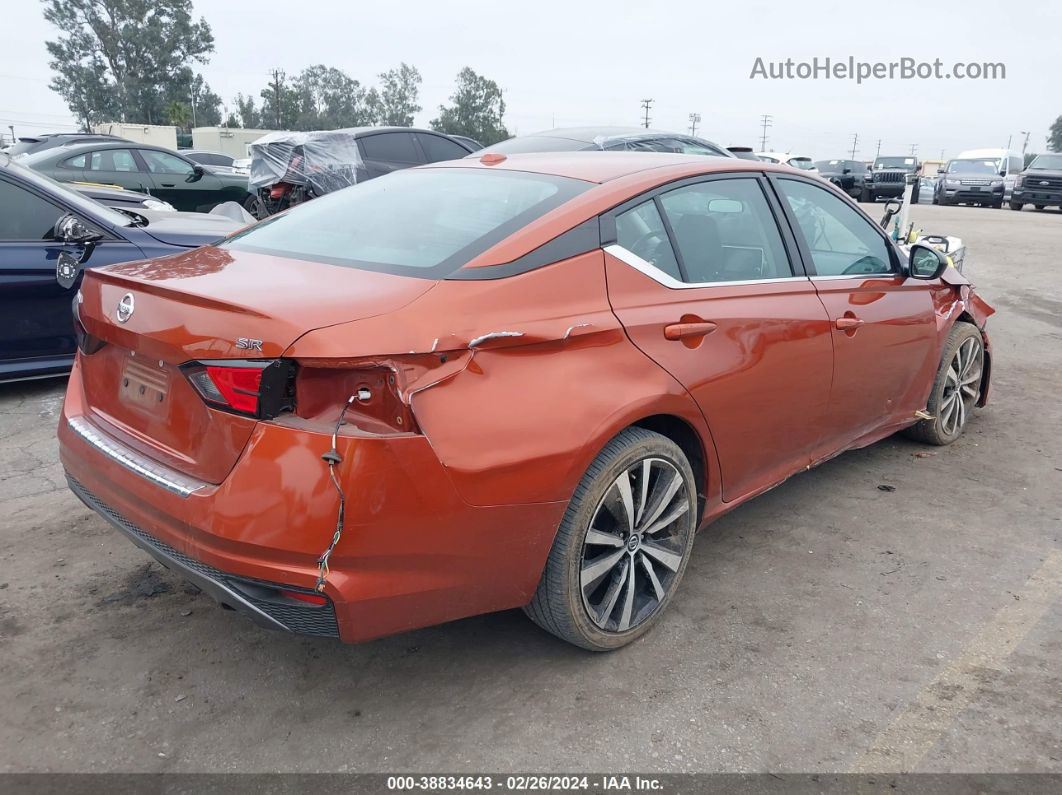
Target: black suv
x,y
1040,184
887,177
848,175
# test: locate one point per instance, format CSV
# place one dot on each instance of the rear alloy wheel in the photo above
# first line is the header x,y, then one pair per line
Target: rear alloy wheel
x,y
956,389
622,546
1039,206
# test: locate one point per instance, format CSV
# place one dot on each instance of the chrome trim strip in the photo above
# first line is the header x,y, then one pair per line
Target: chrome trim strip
x,y
654,273
138,464
890,274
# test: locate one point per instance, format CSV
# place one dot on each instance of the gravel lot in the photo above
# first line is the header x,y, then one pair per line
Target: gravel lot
x,y
826,626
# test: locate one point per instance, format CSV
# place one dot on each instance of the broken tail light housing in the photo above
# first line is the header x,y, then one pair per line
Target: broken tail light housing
x,y
261,389
325,386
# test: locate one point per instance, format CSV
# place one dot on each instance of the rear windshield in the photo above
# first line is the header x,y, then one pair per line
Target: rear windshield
x,y
417,222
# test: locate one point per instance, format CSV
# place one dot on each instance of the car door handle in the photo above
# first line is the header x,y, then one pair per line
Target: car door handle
x,y
681,331
168,184
845,323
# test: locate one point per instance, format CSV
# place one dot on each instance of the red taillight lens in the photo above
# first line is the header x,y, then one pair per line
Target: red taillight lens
x,y
260,389
238,386
279,190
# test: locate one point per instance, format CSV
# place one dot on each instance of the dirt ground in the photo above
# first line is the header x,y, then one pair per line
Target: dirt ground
x,y
828,625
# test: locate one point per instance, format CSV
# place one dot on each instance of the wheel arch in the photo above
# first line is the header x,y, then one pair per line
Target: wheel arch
x,y
689,441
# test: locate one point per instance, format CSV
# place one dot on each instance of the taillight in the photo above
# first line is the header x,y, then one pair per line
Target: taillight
x,y
279,190
261,389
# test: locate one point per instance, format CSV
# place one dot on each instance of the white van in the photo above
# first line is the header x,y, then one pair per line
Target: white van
x,y
1009,164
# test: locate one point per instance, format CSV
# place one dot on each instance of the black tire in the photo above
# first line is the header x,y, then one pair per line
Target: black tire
x,y
936,199
945,427
867,196
254,206
560,605
1016,206
1039,206
998,205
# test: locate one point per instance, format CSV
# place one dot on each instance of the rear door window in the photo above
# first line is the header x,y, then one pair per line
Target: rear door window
x,y
437,148
725,231
391,148
112,160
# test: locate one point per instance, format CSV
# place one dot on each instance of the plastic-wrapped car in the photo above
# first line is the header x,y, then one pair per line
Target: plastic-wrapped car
x,y
288,168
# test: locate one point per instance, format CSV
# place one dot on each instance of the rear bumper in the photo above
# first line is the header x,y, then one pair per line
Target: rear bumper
x,y
257,600
412,553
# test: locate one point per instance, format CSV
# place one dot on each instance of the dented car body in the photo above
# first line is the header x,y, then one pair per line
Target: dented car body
x,y
346,429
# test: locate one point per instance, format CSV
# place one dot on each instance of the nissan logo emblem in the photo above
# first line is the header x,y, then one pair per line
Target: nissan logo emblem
x,y
125,308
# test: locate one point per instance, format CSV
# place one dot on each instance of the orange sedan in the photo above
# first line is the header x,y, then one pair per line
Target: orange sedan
x,y
506,382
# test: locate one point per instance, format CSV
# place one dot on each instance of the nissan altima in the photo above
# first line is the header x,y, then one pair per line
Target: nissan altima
x,y
521,381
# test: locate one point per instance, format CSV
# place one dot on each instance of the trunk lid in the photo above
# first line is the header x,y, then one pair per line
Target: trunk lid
x,y
207,304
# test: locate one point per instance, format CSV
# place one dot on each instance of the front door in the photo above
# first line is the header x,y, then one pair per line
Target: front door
x,y
702,281
175,181
884,327
35,309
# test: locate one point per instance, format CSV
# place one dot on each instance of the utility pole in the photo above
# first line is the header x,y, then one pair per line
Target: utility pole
x,y
191,95
877,154
914,149
766,120
855,140
1024,146
695,119
646,104
1009,139
278,78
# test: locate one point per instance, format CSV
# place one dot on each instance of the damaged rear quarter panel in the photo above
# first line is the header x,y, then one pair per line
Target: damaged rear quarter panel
x,y
522,421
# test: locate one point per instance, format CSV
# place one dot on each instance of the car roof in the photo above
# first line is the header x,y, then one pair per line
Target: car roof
x,y
600,167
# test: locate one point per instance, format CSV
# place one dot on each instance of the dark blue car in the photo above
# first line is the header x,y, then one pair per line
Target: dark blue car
x,y
48,233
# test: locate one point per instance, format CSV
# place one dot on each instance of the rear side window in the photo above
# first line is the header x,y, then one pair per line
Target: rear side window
x,y
423,222
437,148
112,160
725,231
78,161
26,216
391,147
641,231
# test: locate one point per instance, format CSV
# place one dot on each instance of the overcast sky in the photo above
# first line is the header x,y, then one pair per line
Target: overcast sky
x,y
566,63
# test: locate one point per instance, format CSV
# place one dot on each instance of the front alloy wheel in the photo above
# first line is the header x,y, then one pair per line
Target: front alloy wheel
x,y
622,546
956,389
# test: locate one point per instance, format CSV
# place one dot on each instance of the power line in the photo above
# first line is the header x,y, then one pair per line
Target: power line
x,y
646,104
767,120
695,119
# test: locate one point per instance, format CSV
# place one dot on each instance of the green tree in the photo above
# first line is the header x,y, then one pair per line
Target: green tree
x,y
328,99
179,114
397,98
476,110
248,114
1054,140
124,59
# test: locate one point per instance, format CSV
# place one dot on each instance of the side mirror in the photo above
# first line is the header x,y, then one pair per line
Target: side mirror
x,y
940,170
1002,172
926,262
197,173
846,171
70,229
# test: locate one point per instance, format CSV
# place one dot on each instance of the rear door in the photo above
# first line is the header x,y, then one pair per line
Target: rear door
x,y
702,278
883,324
117,167
389,151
